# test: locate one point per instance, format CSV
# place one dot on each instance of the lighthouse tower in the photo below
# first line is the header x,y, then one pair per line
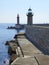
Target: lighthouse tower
x,y
17,19
29,17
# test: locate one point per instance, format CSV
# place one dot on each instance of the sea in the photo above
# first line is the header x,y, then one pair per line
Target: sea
x,y
6,35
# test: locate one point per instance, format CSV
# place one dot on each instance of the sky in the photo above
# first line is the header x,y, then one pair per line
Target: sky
x,y
10,8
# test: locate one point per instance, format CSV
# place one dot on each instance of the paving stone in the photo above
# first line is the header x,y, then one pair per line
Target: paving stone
x,y
42,59
27,47
25,61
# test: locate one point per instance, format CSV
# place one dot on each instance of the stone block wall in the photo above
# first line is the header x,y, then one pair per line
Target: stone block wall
x,y
39,35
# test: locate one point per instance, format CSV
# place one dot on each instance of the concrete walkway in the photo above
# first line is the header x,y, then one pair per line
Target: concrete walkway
x,y
27,47
32,55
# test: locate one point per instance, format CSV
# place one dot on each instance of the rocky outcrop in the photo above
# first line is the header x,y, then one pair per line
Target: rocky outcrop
x,y
12,58
14,48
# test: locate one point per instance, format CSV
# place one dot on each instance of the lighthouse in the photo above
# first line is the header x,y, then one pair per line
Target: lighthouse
x,y
30,17
17,19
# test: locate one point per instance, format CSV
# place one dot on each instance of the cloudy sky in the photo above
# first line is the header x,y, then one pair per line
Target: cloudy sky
x,y
10,8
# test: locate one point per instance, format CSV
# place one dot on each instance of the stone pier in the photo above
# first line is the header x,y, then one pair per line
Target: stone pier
x,y
28,53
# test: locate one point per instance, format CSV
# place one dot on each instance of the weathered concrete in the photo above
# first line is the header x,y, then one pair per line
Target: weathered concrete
x,y
13,51
12,48
36,60
27,47
42,59
11,41
28,50
25,61
19,34
29,54
12,58
39,35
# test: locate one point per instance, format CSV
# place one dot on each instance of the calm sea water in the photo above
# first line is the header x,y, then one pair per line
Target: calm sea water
x,y
5,34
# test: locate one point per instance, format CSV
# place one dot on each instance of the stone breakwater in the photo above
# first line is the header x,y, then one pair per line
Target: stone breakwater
x,y
23,52
39,35
14,49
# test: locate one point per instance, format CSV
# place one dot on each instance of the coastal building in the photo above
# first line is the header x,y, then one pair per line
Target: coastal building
x,y
30,17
